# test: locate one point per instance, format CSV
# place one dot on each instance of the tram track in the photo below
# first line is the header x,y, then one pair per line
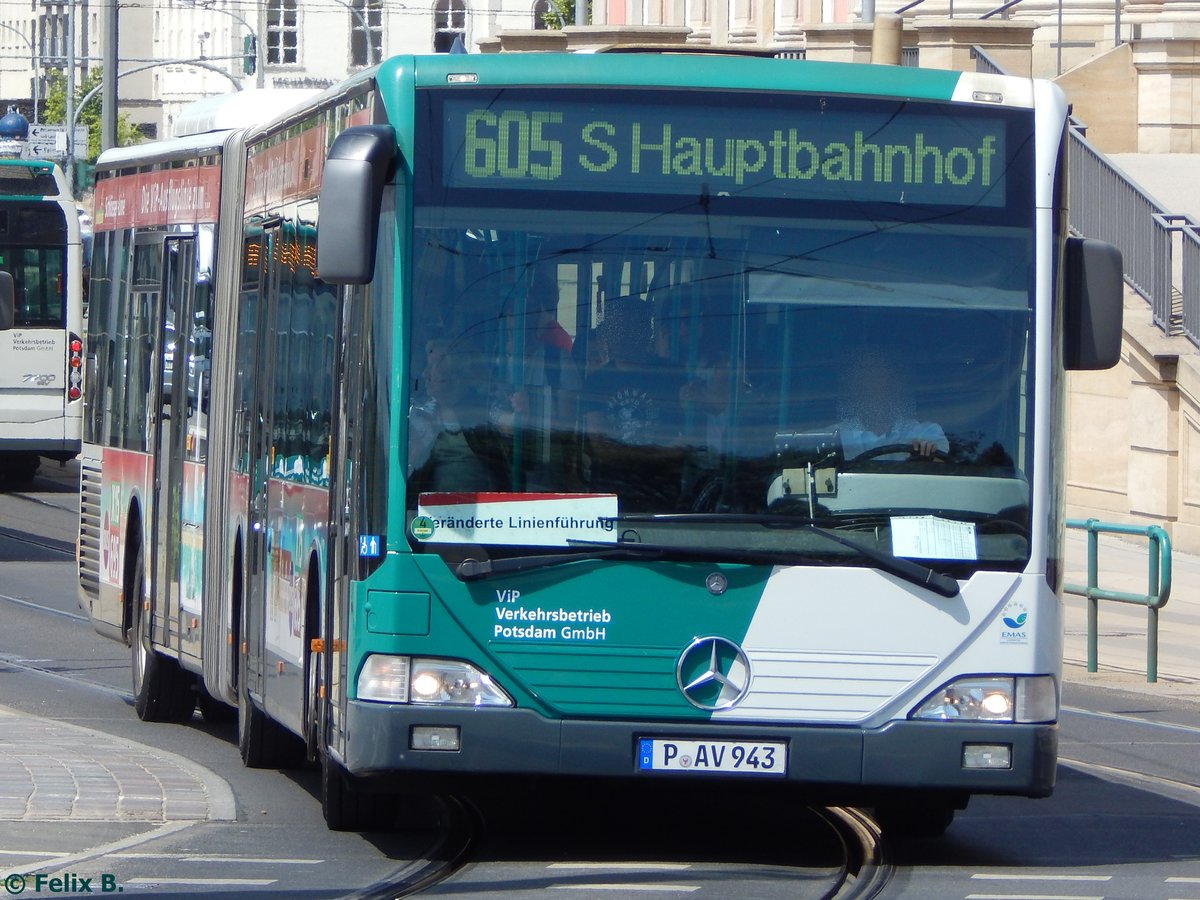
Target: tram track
x,y
460,828
867,868
66,548
864,871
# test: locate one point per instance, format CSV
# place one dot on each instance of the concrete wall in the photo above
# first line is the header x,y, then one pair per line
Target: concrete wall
x,y
1167,58
1103,95
1133,444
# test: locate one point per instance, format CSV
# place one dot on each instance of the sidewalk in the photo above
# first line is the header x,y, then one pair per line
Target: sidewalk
x,y
51,771
1122,627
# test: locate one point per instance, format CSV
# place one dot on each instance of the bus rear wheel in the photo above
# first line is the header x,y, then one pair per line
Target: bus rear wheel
x,y
162,691
263,742
19,468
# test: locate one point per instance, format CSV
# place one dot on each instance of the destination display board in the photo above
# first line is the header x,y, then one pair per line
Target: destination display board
x,y
798,147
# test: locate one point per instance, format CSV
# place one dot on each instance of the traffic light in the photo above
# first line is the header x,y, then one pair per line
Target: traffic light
x,y
250,54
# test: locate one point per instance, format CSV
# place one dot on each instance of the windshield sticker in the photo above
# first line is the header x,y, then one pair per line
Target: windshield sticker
x,y
929,537
525,520
1014,618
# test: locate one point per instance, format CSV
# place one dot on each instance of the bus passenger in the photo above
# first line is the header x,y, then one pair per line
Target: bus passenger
x,y
452,446
878,410
537,386
632,414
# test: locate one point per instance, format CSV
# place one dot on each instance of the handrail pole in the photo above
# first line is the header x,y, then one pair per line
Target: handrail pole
x,y
1151,645
1152,610
1093,582
1158,586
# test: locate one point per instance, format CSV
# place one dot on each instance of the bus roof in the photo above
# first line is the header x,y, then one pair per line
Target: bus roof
x,y
192,145
708,72
32,178
239,110
203,126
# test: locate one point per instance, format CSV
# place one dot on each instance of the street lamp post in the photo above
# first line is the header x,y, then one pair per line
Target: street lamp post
x,y
69,165
358,14
259,77
33,61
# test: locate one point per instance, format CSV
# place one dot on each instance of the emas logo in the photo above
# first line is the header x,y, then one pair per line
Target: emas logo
x,y
1015,617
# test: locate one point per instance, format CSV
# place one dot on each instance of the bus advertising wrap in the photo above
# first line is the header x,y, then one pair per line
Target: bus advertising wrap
x,y
893,153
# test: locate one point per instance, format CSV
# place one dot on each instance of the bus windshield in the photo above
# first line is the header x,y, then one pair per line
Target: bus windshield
x,y
33,239
652,321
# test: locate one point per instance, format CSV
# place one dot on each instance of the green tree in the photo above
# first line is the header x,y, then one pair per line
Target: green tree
x,y
562,12
55,112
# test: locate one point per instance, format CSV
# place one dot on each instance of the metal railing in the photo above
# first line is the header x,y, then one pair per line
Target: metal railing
x,y
1190,283
1158,586
1160,249
984,63
1106,204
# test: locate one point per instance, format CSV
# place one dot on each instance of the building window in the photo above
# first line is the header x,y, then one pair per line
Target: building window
x,y
541,9
53,40
449,22
366,32
283,33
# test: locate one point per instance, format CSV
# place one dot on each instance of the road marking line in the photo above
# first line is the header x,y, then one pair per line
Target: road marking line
x,y
998,876
1139,778
1131,720
46,609
616,865
223,859
1030,897
103,850
205,882
640,888
33,852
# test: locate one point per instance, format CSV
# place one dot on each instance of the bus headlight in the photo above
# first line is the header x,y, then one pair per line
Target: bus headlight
x,y
456,683
993,699
403,679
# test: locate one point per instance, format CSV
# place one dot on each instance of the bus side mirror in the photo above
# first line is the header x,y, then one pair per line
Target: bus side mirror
x,y
355,172
1094,295
8,302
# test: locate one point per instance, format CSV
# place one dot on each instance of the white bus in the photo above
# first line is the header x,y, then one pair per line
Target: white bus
x,y
41,318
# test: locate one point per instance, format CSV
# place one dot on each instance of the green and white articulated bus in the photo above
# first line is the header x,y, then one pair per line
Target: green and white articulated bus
x,y
639,418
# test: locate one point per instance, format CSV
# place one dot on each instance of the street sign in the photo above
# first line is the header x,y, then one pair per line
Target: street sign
x,y
50,142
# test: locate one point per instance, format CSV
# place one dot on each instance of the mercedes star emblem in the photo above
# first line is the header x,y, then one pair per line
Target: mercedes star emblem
x,y
713,673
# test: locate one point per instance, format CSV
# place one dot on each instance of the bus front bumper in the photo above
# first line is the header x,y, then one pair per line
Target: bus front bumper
x,y
898,755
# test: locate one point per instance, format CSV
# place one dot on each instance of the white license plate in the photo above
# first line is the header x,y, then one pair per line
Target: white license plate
x,y
723,757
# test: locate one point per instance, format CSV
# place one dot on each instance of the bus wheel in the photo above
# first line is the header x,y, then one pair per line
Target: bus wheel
x,y
263,742
915,819
348,806
162,691
19,468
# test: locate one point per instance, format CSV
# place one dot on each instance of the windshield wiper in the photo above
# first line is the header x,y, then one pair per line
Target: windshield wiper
x,y
912,572
476,569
